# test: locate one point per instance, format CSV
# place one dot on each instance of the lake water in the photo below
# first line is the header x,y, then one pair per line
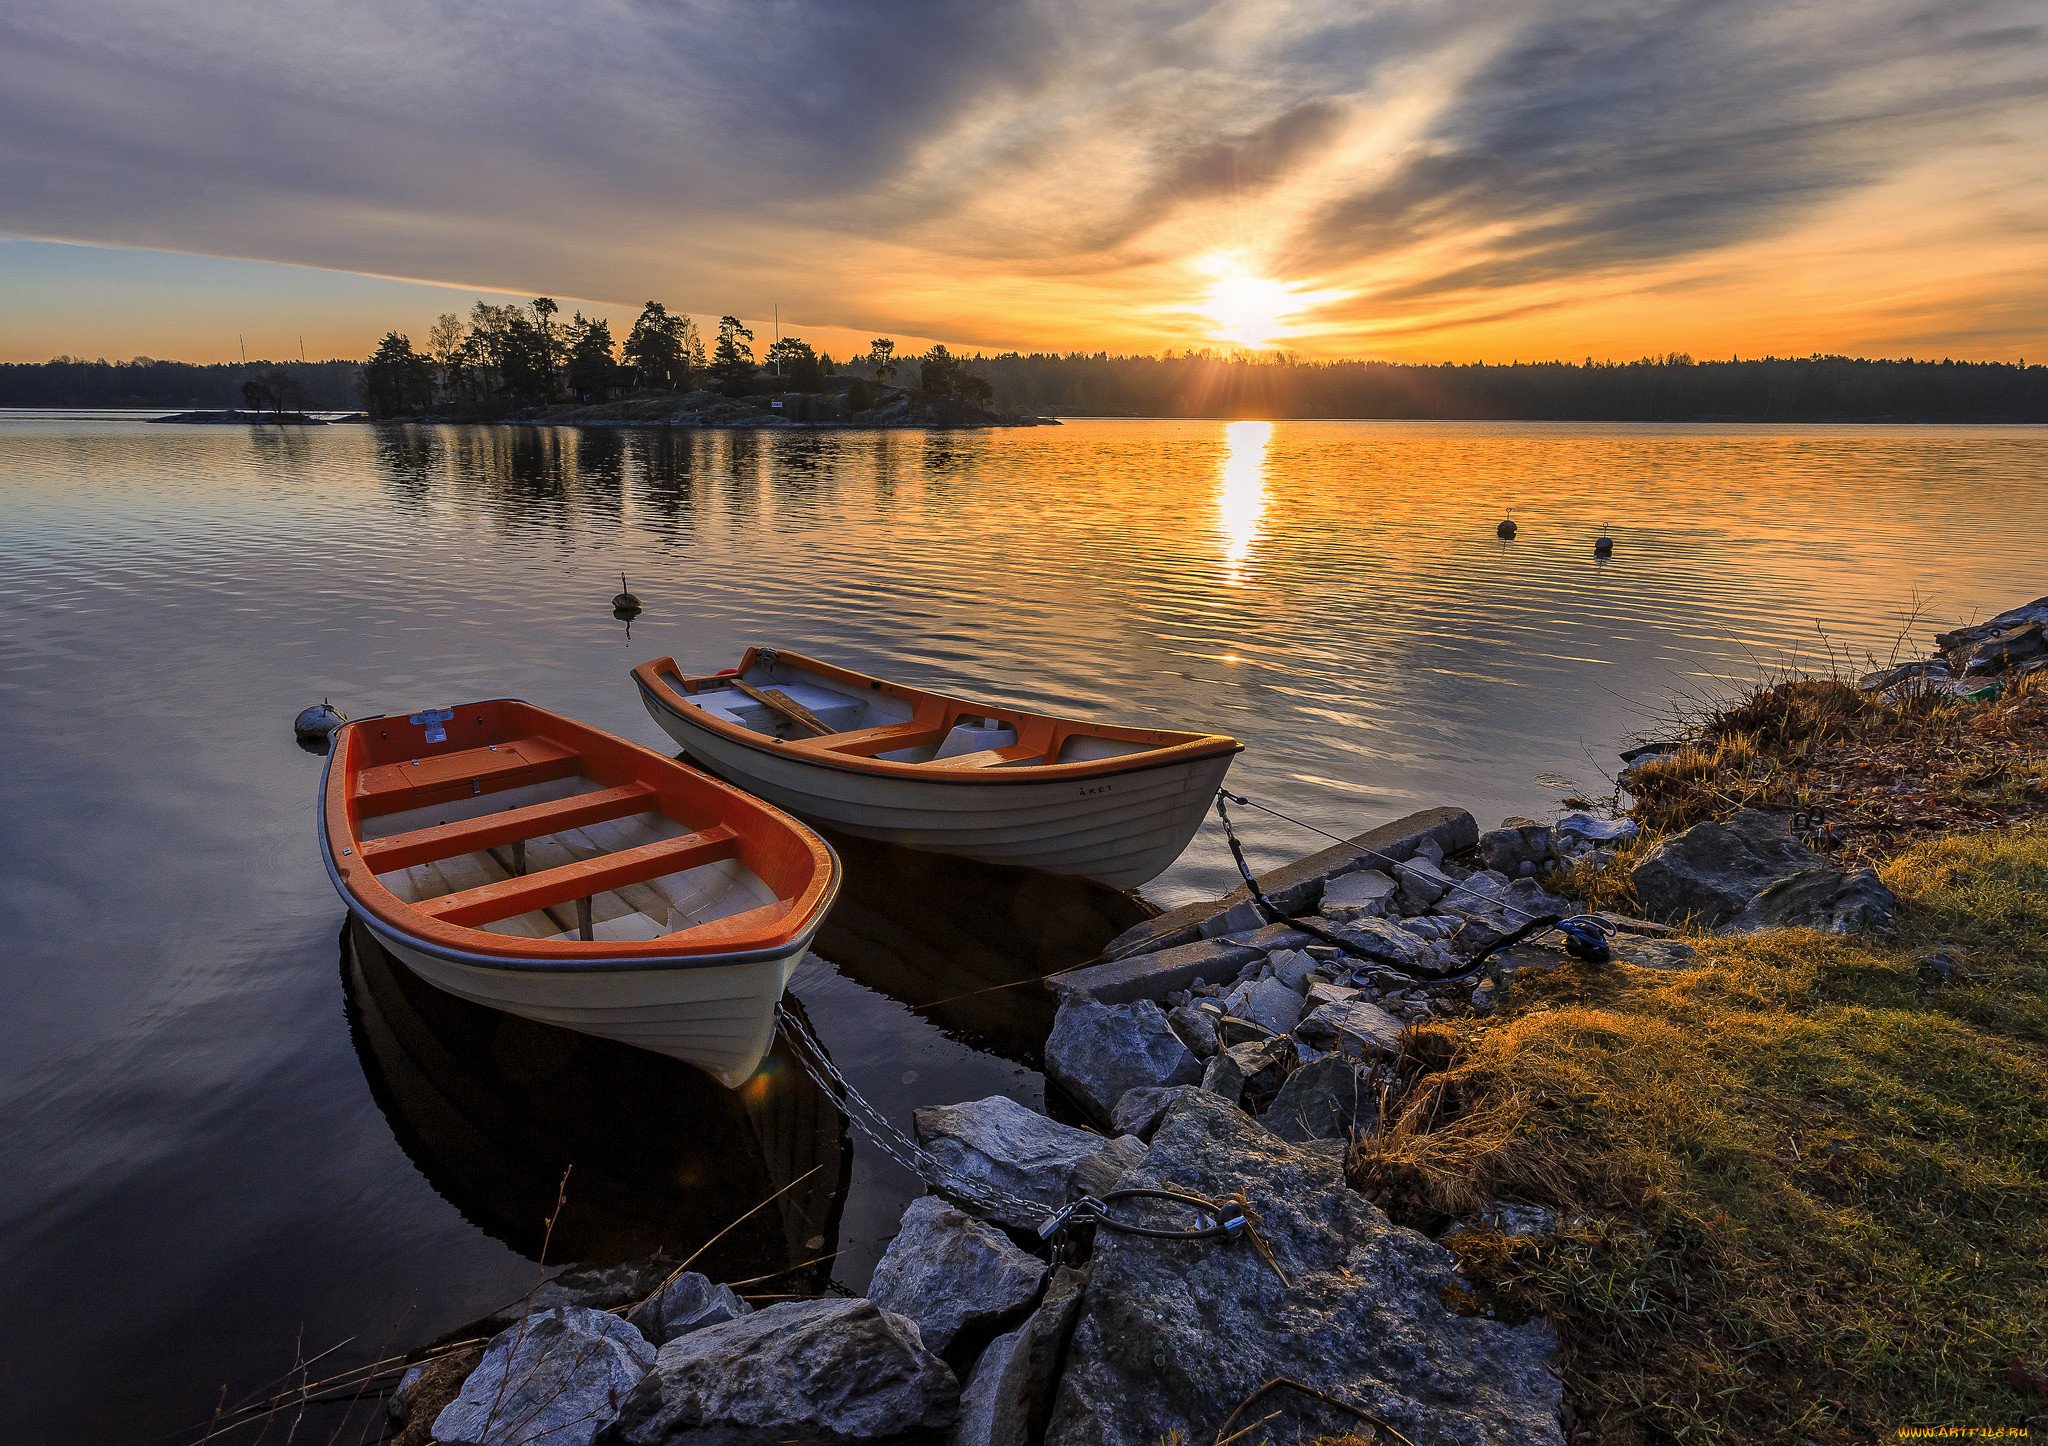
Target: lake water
x,y
229,1132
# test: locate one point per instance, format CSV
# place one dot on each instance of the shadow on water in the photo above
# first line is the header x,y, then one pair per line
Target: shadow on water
x,y
492,1109
962,943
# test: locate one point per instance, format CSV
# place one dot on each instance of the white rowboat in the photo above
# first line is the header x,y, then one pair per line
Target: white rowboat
x,y
907,766
524,861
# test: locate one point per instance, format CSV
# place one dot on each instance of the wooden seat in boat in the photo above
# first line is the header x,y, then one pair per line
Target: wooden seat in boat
x,y
437,778
440,841
570,882
992,757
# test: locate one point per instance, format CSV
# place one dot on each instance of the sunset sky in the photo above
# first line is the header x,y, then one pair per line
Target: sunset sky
x,y
1434,179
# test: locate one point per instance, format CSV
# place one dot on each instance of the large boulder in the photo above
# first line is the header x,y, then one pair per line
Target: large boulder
x,y
1098,1052
819,1371
1822,898
1712,870
687,1303
948,1272
1331,1098
998,1144
1174,1334
1009,1395
555,1378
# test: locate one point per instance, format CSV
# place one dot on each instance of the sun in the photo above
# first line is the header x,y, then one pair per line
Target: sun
x,y
1246,308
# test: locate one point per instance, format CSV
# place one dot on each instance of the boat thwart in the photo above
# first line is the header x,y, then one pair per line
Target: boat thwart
x,y
909,766
526,861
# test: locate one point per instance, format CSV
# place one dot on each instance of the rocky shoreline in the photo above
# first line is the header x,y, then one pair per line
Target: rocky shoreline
x,y
1221,1055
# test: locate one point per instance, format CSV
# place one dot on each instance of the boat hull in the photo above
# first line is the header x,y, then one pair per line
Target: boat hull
x,y
1120,829
719,1017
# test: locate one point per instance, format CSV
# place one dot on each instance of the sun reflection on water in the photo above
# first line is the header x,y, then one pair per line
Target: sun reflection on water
x,y
1241,491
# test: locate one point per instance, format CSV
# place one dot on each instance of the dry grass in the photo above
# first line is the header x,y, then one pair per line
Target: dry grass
x,y
1886,772
1806,1191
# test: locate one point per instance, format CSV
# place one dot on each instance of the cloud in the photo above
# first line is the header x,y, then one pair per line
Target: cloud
x,y
999,173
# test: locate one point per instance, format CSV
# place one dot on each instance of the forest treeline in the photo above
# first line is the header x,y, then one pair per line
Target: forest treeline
x,y
1670,388
322,386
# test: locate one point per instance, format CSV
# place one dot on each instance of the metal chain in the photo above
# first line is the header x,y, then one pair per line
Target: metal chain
x,y
885,1136
1227,1220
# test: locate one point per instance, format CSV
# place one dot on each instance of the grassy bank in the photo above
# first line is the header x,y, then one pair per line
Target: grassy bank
x,y
1804,1181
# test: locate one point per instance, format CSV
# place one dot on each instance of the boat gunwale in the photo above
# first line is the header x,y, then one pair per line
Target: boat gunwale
x,y
456,943
1186,747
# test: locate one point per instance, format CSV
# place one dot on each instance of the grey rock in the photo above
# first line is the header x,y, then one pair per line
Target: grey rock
x,y
1269,937
828,1371
1431,849
1587,829
1097,1052
1355,1028
1712,870
1362,889
1196,1027
1267,1003
1149,975
687,1303
1916,677
1320,993
999,1143
1513,850
1422,882
1172,1336
1935,971
556,1377
1822,898
1009,1396
949,1272
1377,938
1256,1067
1485,995
1292,968
1326,1099
1239,918
2001,650
1138,1111
1537,1221
1650,953
1959,644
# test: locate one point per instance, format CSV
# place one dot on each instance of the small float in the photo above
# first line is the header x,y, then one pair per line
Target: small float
x,y
888,761
525,861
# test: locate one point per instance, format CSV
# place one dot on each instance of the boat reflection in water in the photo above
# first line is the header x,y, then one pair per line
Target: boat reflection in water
x,y
962,943
493,1108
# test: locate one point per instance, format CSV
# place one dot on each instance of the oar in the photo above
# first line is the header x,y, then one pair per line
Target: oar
x,y
781,702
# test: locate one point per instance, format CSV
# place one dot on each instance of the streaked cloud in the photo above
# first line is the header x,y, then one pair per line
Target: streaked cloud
x,y
1439,178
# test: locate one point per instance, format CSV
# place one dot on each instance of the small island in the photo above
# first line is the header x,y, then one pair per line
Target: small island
x,y
520,365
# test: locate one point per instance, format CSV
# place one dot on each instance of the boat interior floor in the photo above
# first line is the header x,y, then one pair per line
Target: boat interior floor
x,y
462,859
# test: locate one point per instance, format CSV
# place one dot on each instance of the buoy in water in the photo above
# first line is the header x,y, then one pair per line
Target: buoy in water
x,y
1506,530
315,723
1603,546
625,602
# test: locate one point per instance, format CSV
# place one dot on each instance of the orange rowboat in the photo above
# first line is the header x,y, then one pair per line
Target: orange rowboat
x,y
888,761
525,861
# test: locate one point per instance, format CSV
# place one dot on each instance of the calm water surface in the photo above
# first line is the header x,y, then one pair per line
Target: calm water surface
x,y
228,1129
